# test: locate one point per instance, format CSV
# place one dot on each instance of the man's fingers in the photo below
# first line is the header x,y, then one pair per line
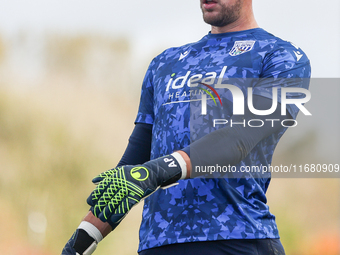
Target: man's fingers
x,y
104,188
101,204
90,200
96,180
95,195
115,213
110,202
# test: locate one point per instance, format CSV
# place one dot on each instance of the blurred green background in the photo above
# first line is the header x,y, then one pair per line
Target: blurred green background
x,y
67,106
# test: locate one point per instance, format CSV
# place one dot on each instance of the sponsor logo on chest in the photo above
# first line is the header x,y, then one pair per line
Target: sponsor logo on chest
x,y
194,80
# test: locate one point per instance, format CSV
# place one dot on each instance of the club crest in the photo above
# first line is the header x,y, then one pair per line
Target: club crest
x,y
241,47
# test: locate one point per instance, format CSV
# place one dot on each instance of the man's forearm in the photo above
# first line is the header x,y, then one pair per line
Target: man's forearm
x,y
231,144
188,163
103,227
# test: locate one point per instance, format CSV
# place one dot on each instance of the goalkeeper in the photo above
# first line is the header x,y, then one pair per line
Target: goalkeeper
x,y
173,135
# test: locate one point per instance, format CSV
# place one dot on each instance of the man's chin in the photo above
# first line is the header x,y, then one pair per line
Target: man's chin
x,y
212,20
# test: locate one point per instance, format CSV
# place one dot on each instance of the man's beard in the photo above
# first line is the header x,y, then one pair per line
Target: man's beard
x,y
228,15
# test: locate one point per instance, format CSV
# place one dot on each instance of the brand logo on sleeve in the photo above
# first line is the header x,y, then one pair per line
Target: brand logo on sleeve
x,y
241,47
183,55
298,55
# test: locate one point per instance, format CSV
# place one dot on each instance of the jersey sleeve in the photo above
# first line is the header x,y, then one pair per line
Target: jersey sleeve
x,y
146,105
284,66
139,147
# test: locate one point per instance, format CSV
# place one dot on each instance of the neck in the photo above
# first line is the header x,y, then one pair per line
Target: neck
x,y
233,28
244,22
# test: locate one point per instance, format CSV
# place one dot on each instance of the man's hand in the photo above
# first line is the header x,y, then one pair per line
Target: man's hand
x,y
121,188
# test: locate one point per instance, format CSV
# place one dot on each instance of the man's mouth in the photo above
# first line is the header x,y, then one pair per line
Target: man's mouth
x,y
208,4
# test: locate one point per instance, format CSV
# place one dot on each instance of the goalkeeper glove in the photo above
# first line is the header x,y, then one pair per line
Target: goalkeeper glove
x,y
84,240
121,188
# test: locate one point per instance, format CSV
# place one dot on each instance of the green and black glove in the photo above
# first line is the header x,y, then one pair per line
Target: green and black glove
x,y
121,188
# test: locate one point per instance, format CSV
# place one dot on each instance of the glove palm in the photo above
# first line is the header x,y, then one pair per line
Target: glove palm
x,y
121,188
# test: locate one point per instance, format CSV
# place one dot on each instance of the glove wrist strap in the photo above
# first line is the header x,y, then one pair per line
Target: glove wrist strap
x,y
91,230
182,164
87,238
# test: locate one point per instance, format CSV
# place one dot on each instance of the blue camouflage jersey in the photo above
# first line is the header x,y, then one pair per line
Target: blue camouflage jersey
x,y
208,209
